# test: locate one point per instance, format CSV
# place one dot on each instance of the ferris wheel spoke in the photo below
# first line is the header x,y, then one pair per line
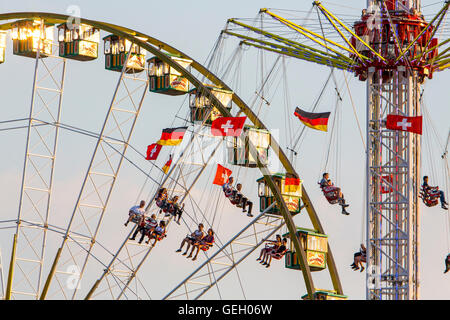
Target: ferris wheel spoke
x,y
133,262
235,250
100,178
392,164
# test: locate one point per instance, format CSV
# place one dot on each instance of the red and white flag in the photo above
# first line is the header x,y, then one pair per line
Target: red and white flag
x,y
227,126
402,123
222,175
153,151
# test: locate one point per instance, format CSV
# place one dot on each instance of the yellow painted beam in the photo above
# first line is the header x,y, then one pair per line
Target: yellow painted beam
x,y
445,8
310,34
339,65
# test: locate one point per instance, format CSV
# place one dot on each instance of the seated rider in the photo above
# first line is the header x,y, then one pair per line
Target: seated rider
x,y
228,187
158,233
195,237
145,227
161,197
277,253
358,259
269,247
434,191
327,186
175,209
447,263
136,212
238,198
204,244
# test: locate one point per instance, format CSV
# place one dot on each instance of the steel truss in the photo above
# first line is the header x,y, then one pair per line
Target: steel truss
x,y
27,258
119,279
73,255
228,257
393,165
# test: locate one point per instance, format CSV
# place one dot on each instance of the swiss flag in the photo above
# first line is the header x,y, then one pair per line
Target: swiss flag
x,y
153,151
222,175
410,124
227,126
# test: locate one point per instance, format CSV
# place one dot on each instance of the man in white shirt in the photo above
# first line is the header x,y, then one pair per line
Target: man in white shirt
x,y
136,212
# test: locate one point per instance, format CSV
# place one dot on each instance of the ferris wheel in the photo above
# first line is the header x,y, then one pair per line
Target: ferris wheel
x,y
81,254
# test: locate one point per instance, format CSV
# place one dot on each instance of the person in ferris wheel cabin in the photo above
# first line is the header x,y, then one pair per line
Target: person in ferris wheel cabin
x,y
269,247
358,259
328,186
204,244
158,233
192,239
447,263
434,191
161,197
136,212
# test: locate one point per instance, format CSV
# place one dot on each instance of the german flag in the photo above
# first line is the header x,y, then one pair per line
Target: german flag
x,y
318,121
172,136
167,165
291,185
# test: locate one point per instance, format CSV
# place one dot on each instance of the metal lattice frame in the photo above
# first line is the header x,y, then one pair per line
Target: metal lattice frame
x,y
393,160
99,182
2,279
28,251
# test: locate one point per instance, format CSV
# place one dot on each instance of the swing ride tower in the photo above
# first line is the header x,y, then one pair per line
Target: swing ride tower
x,y
399,35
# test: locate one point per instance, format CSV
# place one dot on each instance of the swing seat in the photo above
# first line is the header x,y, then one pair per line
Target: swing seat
x,y
228,193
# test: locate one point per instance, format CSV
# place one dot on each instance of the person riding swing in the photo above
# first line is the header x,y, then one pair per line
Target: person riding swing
x,y
227,187
431,193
